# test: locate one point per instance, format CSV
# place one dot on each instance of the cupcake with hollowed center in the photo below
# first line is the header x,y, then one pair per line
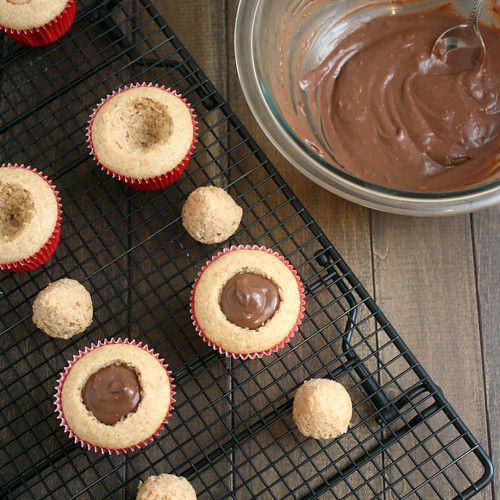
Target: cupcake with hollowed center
x,y
36,22
29,218
143,135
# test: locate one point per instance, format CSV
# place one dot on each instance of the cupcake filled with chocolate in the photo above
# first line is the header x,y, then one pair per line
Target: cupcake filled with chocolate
x,y
114,396
247,301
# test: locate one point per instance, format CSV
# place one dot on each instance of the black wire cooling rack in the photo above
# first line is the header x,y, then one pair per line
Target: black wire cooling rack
x,y
232,433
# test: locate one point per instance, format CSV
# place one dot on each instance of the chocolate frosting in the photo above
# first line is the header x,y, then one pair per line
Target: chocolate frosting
x,y
249,300
112,393
395,115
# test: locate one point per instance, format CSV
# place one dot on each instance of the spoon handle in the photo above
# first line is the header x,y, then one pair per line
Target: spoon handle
x,y
476,12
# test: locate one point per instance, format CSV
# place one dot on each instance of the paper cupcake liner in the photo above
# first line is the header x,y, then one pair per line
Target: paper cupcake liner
x,y
257,354
46,251
48,33
152,183
62,378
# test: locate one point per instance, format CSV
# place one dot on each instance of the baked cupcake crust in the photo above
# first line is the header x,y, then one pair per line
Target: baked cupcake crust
x,y
210,215
21,185
322,409
29,14
212,321
142,132
166,487
63,309
136,427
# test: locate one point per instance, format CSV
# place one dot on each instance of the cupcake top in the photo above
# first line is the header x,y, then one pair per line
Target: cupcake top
x,y
28,14
322,409
28,213
115,396
63,309
210,215
166,487
142,132
247,301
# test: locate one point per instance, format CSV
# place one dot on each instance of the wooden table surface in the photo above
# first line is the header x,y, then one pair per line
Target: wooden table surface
x,y
436,279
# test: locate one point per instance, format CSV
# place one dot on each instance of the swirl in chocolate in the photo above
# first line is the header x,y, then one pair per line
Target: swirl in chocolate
x,y
111,393
395,115
249,300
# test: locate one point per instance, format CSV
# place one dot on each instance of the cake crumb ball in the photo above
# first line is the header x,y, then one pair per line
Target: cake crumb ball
x,y
166,487
322,409
63,309
210,215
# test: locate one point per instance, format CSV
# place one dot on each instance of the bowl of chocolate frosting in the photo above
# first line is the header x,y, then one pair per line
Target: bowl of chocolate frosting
x,y
350,93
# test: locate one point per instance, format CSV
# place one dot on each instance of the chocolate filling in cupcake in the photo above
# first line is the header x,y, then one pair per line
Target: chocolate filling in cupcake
x,y
16,210
249,300
144,124
114,396
112,393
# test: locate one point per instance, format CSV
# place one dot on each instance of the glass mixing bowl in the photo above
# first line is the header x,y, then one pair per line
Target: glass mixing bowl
x,y
268,36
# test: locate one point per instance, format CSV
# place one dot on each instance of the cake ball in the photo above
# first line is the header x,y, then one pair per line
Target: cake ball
x,y
210,215
63,309
166,487
322,409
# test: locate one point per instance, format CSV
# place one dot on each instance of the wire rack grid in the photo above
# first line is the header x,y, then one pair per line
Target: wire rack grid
x,y
232,433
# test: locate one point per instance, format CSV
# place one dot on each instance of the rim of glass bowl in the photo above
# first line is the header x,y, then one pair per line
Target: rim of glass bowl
x,y
244,48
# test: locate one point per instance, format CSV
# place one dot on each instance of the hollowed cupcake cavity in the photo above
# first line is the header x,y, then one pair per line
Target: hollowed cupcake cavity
x,y
112,393
144,124
17,208
19,2
249,300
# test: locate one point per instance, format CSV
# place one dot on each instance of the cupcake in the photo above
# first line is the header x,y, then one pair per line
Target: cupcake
x,y
36,22
143,135
114,396
30,218
322,409
210,215
166,487
63,309
247,301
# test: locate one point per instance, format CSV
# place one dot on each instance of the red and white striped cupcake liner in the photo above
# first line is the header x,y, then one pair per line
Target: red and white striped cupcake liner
x,y
62,378
48,33
46,251
151,183
257,354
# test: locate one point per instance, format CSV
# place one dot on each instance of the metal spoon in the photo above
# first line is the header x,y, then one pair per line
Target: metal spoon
x,y
463,42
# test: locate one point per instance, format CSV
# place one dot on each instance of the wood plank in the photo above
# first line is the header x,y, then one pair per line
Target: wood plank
x,y
348,226
46,141
441,327
424,282
486,232
201,27
160,295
